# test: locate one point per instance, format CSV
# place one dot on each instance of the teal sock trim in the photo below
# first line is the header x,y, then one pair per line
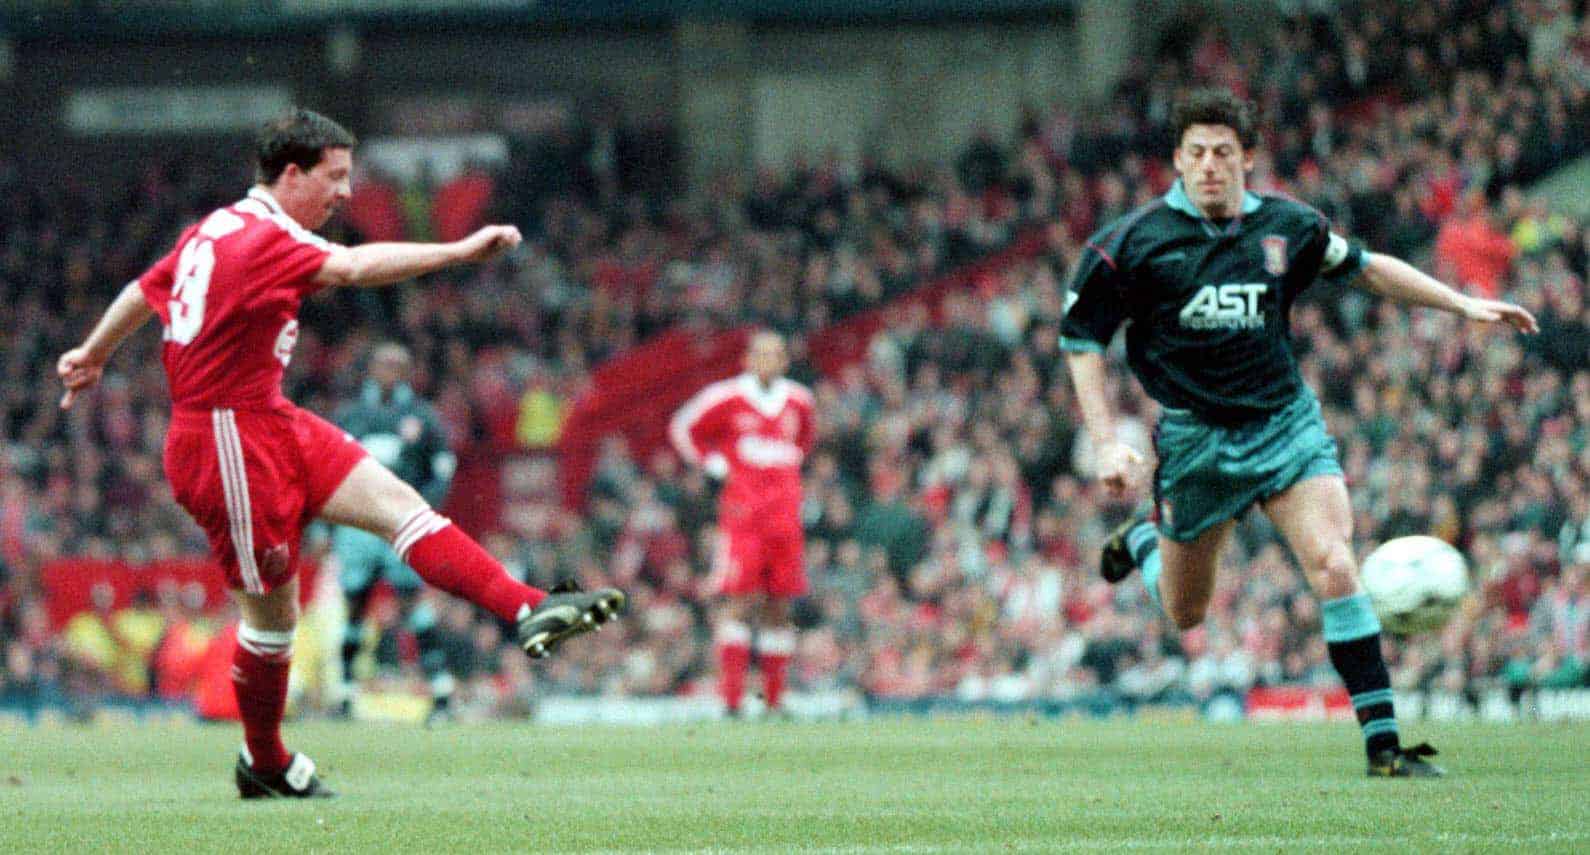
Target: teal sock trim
x,y
1378,726
1150,571
1140,538
1348,618
1365,699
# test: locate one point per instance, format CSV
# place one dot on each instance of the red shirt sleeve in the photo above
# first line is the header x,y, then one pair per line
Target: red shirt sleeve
x,y
694,428
156,283
289,257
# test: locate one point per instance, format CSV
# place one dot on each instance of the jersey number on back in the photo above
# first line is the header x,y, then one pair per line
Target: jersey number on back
x,y
194,267
193,284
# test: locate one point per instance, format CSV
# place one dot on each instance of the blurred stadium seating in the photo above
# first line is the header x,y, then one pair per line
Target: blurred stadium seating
x,y
952,529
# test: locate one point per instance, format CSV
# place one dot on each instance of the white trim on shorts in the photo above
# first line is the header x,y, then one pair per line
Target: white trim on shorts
x,y
234,484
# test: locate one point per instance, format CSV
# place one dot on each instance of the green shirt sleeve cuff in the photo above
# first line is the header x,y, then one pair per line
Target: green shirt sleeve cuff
x,y
1080,345
1355,262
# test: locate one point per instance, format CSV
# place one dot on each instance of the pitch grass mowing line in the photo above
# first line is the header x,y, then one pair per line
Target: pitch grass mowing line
x,y
1443,842
906,786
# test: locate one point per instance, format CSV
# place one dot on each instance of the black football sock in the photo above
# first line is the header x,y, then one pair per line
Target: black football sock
x,y
1352,636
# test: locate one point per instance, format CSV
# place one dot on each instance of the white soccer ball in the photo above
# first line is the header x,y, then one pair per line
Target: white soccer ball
x,y
1415,583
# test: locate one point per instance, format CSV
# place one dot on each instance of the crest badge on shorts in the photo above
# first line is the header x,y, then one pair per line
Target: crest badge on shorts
x,y
1274,254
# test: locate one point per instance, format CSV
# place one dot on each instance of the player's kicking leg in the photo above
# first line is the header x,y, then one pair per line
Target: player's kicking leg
x,y
374,499
265,769
1316,519
1179,577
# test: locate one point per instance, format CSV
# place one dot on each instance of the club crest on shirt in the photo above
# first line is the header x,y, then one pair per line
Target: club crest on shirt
x,y
1274,254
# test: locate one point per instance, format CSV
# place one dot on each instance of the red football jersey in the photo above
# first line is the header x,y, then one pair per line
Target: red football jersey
x,y
762,434
228,298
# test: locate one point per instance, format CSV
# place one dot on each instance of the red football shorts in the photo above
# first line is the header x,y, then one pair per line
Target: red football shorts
x,y
759,560
252,479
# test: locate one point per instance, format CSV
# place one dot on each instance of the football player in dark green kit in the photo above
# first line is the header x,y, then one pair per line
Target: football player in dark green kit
x,y
403,433
1204,278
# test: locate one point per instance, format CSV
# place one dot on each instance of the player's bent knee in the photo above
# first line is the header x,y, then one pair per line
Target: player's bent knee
x,y
1186,615
1335,574
1185,611
738,608
273,612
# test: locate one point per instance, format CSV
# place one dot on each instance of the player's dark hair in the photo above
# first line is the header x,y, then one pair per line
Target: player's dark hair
x,y
1214,107
301,137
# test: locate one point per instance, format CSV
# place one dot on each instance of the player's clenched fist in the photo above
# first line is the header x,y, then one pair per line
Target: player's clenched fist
x,y
1119,467
78,370
488,242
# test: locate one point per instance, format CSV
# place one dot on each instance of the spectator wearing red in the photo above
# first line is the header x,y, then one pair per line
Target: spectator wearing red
x,y
1473,252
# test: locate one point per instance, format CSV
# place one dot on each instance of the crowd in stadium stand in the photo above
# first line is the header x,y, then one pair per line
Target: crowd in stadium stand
x,y
953,532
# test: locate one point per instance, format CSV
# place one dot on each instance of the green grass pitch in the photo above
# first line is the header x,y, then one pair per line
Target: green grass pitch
x,y
908,786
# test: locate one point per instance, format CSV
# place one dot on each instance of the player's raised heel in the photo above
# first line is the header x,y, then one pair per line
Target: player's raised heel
x,y
1116,561
1405,763
566,614
297,781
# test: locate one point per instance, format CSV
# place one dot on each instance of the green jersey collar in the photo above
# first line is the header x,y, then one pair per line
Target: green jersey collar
x,y
1177,198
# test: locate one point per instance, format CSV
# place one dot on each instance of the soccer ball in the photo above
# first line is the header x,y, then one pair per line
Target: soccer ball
x,y
1415,583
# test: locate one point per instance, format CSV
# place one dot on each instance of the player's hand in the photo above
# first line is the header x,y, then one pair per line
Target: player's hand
x,y
1120,468
78,370
1496,311
489,242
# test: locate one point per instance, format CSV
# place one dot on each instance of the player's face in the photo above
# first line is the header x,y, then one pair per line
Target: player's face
x,y
312,196
1213,167
388,369
765,357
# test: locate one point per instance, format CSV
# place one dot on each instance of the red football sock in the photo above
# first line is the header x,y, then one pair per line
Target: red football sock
x,y
259,677
734,659
773,650
449,559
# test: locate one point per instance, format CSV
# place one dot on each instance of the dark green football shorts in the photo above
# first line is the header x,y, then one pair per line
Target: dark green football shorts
x,y
1210,474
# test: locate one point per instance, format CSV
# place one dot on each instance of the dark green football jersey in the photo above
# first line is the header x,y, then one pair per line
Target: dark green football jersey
x,y
1207,302
403,434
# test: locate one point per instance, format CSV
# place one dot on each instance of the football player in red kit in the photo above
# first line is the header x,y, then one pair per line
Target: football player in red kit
x,y
253,469
754,431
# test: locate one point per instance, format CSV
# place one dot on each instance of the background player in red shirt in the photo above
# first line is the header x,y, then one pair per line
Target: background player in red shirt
x,y
754,430
251,468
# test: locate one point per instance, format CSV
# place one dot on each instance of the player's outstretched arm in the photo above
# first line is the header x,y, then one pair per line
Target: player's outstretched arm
x,y
1117,465
1398,280
386,263
81,367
